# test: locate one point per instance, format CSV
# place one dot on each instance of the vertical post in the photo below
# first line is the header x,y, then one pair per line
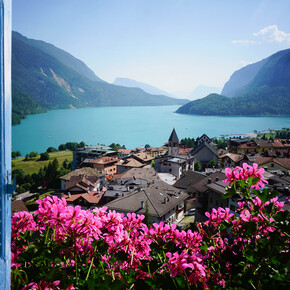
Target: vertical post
x,y
5,143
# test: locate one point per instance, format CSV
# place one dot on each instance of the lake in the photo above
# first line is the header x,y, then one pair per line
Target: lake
x,y
129,126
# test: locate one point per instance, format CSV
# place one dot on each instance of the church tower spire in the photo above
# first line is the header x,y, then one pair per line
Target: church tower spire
x,y
173,143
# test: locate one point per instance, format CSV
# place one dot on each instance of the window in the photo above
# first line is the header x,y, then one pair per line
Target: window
x,y
272,164
210,200
232,207
216,203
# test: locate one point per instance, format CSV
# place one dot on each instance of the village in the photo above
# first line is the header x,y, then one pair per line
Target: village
x,y
173,183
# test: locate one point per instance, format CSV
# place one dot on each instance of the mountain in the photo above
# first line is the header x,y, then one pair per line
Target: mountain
x,y
54,79
260,101
202,91
273,71
262,88
126,82
61,55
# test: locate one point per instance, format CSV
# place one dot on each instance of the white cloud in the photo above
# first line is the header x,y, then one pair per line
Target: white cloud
x,y
245,42
268,34
273,34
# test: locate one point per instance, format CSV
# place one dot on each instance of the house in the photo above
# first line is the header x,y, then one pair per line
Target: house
x,y
90,152
123,153
130,181
232,160
148,174
234,143
156,151
138,149
128,163
143,157
164,202
204,153
106,164
88,200
269,147
188,179
274,164
208,192
86,171
82,184
84,191
176,165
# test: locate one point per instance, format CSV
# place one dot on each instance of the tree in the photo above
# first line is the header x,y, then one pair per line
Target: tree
x,y
147,146
16,154
51,173
44,156
20,175
211,164
33,154
153,163
116,147
197,166
82,144
51,149
61,147
65,164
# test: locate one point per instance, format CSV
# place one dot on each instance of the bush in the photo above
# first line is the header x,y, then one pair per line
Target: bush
x,y
197,166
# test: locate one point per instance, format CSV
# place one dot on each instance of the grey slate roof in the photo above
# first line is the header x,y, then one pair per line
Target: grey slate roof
x,y
189,178
201,186
200,146
173,137
218,186
154,195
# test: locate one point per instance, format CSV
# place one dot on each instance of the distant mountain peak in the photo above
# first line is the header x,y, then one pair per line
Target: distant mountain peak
x,y
127,82
201,91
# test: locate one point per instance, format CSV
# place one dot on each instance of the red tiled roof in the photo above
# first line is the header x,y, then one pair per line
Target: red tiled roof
x,y
105,160
124,151
232,156
83,182
184,151
91,197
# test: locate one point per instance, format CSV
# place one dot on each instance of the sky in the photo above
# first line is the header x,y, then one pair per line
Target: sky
x,y
174,45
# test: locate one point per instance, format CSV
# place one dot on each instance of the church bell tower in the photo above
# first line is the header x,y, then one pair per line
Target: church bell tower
x,y
173,143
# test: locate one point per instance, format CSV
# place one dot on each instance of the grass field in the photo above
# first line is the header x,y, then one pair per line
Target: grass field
x,y
33,165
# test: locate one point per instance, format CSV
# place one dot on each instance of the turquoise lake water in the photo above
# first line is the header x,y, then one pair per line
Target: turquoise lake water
x,y
130,126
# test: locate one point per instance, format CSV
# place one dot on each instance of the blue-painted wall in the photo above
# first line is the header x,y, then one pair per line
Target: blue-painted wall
x,y
5,143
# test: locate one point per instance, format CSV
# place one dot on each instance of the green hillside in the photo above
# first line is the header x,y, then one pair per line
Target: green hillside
x,y
52,84
259,101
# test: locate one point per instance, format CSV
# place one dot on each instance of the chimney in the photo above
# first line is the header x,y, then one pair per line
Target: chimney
x,y
68,194
142,204
209,181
